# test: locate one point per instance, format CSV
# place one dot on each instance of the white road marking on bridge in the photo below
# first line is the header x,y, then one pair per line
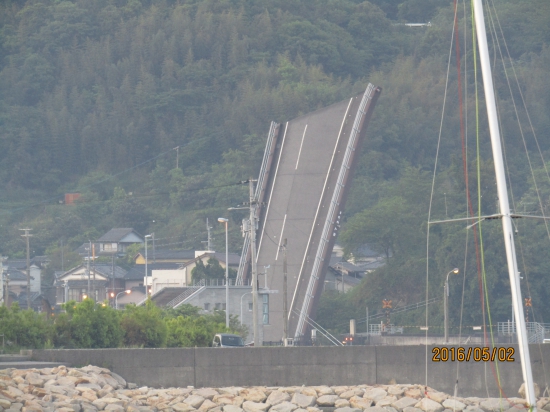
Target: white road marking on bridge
x,y
300,151
319,205
281,237
271,193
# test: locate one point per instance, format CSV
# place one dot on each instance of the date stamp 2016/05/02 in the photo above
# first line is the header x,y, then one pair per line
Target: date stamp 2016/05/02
x,y
476,354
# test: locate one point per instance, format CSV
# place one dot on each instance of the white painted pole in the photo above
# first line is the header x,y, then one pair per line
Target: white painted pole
x,y
226,277
507,226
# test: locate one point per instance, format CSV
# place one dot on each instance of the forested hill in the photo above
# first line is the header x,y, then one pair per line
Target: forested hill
x,y
96,94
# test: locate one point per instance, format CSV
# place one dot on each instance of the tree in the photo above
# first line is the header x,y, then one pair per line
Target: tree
x,y
88,325
381,227
24,328
143,326
212,270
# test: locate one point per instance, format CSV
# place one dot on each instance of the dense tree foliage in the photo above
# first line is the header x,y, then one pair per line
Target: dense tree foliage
x,y
212,270
96,95
88,324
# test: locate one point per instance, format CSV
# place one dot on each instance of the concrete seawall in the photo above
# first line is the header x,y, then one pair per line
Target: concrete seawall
x,y
277,366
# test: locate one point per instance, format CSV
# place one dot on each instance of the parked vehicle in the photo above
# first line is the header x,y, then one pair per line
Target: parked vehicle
x,y
227,340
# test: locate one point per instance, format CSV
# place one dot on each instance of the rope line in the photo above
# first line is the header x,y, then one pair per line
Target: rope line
x,y
431,199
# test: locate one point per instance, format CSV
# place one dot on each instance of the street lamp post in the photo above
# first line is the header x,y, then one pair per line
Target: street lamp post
x,y
445,303
224,220
145,282
128,291
247,293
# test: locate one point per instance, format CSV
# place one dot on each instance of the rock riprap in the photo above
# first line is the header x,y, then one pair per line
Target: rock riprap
x,y
98,389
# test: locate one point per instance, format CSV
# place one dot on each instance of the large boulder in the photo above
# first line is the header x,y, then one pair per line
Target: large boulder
x,y
375,394
276,397
362,403
253,394
194,401
250,406
427,405
283,407
494,404
207,405
231,408
453,404
439,397
404,402
303,401
348,409
327,400
522,392
206,393
323,390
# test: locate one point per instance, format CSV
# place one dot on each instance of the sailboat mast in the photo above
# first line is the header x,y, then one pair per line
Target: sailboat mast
x,y
502,190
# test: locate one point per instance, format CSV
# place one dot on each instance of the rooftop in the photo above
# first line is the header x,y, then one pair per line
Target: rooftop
x,y
118,235
138,271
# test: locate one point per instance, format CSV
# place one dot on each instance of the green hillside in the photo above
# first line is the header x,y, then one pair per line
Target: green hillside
x,y
96,95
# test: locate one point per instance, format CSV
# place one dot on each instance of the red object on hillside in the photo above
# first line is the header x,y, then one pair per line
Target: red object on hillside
x,y
70,198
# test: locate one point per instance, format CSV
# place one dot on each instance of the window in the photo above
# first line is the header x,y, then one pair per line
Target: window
x,y
218,306
207,306
250,306
230,340
77,294
265,299
223,306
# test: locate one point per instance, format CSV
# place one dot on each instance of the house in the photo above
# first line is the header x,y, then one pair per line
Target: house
x,y
167,274
14,283
104,279
234,258
84,250
165,256
136,275
117,240
39,302
36,265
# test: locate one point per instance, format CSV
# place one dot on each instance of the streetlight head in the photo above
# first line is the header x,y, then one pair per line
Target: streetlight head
x,y
147,236
128,291
223,220
112,294
456,270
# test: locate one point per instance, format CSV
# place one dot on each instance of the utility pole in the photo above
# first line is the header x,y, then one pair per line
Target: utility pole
x,y
93,283
177,157
88,266
3,299
62,259
8,290
209,240
285,304
154,253
253,261
368,336
27,236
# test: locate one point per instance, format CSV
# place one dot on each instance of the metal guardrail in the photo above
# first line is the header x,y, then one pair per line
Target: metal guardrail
x,y
182,296
332,210
196,292
378,329
257,194
219,282
536,332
